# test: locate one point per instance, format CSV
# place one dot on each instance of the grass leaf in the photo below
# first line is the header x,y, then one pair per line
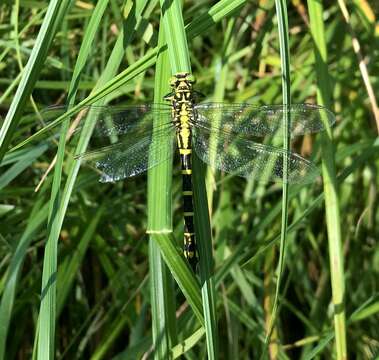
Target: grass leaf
x,y
330,183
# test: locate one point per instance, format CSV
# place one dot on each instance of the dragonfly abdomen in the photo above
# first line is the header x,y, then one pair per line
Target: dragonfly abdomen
x,y
190,250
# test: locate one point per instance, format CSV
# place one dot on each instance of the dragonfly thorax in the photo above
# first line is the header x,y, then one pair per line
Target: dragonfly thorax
x,y
182,102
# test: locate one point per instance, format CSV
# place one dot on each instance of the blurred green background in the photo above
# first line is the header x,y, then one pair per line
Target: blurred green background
x,y
103,52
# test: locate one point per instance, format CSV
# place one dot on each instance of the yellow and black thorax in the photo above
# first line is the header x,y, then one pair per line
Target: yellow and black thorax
x,y
182,102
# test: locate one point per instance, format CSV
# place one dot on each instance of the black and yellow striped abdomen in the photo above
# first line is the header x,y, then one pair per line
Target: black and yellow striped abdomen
x,y
190,249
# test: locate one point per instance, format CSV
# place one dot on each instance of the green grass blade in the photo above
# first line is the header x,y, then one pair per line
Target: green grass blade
x,y
281,11
367,156
68,271
52,20
321,345
204,241
37,218
187,344
176,36
24,162
160,218
47,315
369,308
324,96
221,75
85,49
180,270
48,309
221,10
108,73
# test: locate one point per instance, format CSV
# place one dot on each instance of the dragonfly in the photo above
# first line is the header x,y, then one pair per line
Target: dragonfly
x,y
222,135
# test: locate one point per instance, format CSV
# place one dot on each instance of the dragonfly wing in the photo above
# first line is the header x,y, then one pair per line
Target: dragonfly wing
x,y
133,155
106,121
248,159
122,142
257,121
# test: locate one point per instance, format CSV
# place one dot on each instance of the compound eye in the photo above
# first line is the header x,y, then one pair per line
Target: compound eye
x,y
173,81
191,78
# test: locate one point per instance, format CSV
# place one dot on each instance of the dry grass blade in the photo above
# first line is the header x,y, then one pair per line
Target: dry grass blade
x,y
362,63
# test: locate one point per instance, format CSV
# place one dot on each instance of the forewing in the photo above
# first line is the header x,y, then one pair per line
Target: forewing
x,y
235,155
258,121
106,121
125,141
133,155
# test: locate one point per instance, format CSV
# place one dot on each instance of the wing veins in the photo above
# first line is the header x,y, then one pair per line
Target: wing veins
x,y
249,159
261,121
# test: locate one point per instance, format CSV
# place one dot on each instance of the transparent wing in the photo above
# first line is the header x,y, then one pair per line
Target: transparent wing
x,y
111,120
249,120
133,155
245,158
122,142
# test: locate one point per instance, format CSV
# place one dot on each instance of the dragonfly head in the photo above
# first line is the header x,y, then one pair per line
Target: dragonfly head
x,y
181,84
182,80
